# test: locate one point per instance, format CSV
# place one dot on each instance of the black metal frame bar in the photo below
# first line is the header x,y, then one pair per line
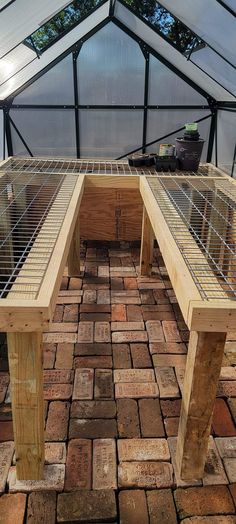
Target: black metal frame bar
x,y
6,6
146,92
211,135
4,134
234,162
75,55
149,24
8,132
227,7
20,136
102,106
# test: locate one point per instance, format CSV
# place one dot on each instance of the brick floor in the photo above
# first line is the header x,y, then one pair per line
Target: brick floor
x,y
114,362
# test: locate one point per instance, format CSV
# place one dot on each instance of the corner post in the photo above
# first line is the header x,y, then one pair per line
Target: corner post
x,y
25,353
74,253
202,374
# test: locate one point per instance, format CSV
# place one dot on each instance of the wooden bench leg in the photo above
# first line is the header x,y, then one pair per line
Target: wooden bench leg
x,y
147,241
25,353
202,373
74,253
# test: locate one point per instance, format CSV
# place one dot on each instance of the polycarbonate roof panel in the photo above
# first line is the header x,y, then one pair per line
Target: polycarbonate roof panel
x,y
173,56
14,61
21,18
54,51
210,21
216,67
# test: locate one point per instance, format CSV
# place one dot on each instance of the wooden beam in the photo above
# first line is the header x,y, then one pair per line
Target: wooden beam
x,y
147,241
202,373
74,253
26,374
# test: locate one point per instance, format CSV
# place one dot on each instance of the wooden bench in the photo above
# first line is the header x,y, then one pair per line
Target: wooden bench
x,y
29,299
27,305
198,245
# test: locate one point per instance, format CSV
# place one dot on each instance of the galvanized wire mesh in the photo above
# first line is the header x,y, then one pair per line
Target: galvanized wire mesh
x,y
201,215
113,167
32,210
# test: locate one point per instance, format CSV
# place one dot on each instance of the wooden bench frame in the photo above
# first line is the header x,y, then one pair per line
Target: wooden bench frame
x,y
208,324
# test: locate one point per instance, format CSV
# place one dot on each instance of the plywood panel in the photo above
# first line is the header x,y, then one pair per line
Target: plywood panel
x,y
111,214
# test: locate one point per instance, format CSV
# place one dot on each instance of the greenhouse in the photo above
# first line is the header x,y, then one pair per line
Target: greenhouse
x,y
118,262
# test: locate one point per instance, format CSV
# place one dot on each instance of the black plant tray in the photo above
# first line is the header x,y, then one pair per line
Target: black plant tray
x,y
166,163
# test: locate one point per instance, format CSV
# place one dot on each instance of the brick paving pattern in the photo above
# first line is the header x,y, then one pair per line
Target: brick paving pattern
x,y
114,362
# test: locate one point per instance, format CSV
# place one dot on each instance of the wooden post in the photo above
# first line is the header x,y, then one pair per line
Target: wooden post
x,y
25,355
202,373
74,253
146,253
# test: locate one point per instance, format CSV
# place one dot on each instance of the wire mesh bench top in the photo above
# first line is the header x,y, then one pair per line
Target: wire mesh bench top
x,y
194,221
90,166
37,218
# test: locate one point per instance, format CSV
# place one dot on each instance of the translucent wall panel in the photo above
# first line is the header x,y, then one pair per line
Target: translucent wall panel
x,y
1,135
111,69
18,147
47,132
216,67
54,87
165,87
226,139
108,133
161,122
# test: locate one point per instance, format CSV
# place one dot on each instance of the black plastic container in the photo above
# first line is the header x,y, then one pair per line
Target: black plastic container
x,y
166,163
189,153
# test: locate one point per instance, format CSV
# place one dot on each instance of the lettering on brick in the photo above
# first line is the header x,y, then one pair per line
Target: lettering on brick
x,y
83,384
143,449
103,384
85,332
134,375
78,465
102,332
104,464
136,390
145,474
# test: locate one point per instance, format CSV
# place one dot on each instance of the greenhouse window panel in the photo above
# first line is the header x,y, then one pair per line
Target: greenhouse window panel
x,y
62,22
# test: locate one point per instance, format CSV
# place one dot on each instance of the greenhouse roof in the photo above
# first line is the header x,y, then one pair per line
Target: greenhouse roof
x,y
196,39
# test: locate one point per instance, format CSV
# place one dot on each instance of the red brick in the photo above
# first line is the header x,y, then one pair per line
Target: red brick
x,y
83,384
6,431
93,409
57,421
150,418
58,376
104,464
134,313
118,313
171,331
75,283
161,507
167,383
56,338
6,454
140,356
64,356
78,465
119,337
103,271
116,283
167,347
96,349
94,428
103,296
169,360
127,326
71,313
69,299
58,313
121,356
222,422
131,450
170,408
127,418
5,413
41,508
89,296
130,283
4,381
158,315
103,388
145,475
55,453
57,391
134,375
63,327
155,332
97,286
95,317
136,389
85,332
102,333
64,283
207,500
87,506
93,362
131,504
95,308
227,389
53,480
171,426
147,297
232,406
12,508
49,354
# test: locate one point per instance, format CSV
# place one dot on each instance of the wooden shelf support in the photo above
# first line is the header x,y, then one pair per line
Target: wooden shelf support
x,y
74,252
147,242
202,374
25,355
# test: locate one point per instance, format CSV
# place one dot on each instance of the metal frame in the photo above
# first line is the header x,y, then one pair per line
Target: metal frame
x,y
147,50
6,6
234,162
223,4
